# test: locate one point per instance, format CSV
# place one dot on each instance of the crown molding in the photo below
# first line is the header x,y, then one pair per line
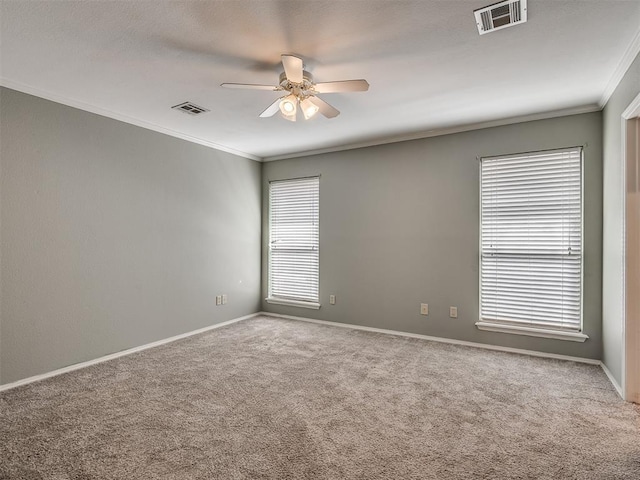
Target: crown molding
x,y
439,132
305,153
54,97
627,59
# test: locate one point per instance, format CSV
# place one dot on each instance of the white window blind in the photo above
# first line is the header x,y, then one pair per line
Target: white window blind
x,y
531,240
294,239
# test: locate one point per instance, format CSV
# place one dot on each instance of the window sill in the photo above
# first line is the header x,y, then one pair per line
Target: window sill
x,y
532,332
292,303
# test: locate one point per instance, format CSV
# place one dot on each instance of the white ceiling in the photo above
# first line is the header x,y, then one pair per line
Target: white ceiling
x,y
427,66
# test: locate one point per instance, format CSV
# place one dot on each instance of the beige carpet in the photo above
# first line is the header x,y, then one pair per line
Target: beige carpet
x,y
271,398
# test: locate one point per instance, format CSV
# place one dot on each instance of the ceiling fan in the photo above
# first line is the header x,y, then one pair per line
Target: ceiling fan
x,y
302,91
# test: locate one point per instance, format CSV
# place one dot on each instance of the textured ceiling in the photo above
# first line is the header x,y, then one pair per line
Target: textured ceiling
x,y
427,66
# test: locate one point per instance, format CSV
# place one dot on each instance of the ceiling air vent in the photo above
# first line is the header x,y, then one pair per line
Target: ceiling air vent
x,y
501,15
190,108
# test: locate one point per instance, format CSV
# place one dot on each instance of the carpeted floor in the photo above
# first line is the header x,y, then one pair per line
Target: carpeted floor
x,y
271,398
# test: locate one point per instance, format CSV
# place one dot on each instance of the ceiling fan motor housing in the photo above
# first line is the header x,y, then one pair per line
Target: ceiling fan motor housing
x,y
300,90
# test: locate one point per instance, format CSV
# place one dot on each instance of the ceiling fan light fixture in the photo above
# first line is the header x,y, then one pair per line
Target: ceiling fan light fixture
x,y
309,109
301,91
288,106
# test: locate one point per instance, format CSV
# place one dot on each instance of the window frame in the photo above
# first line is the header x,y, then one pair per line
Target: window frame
x,y
275,300
525,329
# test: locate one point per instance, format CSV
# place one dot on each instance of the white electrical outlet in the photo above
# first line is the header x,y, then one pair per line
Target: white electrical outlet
x,y
424,309
332,299
218,299
453,312
224,299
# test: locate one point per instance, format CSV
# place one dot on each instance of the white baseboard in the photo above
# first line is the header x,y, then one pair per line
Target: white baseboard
x,y
452,341
520,351
88,363
612,379
77,366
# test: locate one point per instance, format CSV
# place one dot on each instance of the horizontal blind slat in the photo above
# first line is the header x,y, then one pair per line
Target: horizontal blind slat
x,y
531,239
294,239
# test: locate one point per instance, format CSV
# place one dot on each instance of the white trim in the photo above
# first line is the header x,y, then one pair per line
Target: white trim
x,y
451,341
627,59
612,379
630,112
439,132
292,303
633,110
531,331
54,97
88,363
78,366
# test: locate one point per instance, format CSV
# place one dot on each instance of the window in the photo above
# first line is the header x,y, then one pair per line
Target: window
x,y
531,244
294,242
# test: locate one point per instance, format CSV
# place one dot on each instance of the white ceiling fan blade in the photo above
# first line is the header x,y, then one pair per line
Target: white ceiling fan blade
x,y
271,110
324,108
251,86
360,85
293,68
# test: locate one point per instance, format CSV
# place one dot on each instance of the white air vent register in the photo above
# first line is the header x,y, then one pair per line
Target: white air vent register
x,y
501,15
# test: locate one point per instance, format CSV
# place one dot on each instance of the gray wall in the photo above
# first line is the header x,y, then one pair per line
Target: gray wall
x,y
613,221
399,226
114,236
